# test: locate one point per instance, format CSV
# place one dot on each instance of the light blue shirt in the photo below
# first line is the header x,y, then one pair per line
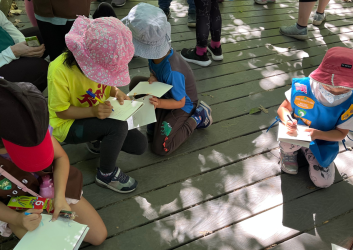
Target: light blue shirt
x,y
53,20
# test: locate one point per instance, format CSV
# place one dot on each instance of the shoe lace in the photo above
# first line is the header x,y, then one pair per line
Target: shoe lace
x,y
122,177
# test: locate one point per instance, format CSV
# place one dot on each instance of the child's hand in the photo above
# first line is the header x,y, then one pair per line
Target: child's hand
x,y
155,101
121,96
30,222
102,111
60,204
292,128
152,79
313,133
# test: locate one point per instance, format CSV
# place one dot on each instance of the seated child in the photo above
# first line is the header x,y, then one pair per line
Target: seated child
x,y
324,102
97,60
177,112
27,152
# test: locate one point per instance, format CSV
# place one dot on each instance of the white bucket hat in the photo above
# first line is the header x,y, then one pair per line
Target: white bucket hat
x,y
150,30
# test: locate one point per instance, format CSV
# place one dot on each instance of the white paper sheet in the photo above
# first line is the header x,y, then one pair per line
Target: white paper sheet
x,y
157,89
145,115
58,235
123,112
302,139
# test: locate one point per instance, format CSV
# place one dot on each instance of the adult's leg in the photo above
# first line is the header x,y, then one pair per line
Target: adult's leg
x,y
321,177
215,24
54,37
164,4
305,8
112,134
172,128
27,69
104,10
97,232
191,4
30,12
203,22
322,5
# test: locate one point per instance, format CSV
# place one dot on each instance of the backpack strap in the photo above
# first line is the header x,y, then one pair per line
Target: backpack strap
x,y
17,182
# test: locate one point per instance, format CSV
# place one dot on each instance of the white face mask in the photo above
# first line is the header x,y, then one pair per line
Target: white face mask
x,y
331,98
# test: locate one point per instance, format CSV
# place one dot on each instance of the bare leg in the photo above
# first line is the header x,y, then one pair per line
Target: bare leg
x,y
322,5
88,215
305,9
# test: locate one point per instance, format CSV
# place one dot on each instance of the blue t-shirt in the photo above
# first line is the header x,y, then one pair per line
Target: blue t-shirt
x,y
164,73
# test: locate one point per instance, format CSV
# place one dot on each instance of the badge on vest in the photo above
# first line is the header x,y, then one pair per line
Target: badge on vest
x,y
304,102
347,114
301,87
5,184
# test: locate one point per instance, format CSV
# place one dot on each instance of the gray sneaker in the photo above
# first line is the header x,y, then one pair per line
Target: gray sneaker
x,y
293,31
192,18
319,18
120,182
118,3
289,163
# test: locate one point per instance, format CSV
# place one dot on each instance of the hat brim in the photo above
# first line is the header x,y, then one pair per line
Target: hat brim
x,y
333,80
32,159
151,52
75,43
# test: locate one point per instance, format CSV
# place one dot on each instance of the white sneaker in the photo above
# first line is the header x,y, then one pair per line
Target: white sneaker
x,y
319,18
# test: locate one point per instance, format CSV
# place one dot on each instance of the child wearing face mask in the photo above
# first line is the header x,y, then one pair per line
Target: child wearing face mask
x,y
324,102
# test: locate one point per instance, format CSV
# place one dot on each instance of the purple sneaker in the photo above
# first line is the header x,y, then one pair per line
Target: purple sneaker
x,y
289,163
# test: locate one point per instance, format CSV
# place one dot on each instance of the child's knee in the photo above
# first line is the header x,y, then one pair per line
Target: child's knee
x,y
99,237
142,146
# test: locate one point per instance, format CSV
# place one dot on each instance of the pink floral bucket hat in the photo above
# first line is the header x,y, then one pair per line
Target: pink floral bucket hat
x,y
102,48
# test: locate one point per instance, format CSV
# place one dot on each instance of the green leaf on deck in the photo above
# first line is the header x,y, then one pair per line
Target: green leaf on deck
x,y
254,111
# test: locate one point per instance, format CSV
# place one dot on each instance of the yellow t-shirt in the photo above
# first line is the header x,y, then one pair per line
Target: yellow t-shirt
x,y
67,87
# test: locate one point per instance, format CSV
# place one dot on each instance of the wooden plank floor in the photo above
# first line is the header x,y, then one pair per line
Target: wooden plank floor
x,y
223,188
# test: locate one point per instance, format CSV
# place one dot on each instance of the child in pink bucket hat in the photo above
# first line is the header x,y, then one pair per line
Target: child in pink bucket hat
x,y
324,102
96,60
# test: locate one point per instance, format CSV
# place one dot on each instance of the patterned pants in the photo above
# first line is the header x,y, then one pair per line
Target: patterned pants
x,y
208,18
321,177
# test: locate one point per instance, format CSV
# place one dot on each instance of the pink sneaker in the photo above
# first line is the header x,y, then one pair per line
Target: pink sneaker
x,y
264,1
289,162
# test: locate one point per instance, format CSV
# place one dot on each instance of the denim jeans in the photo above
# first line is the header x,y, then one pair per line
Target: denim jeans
x,y
165,4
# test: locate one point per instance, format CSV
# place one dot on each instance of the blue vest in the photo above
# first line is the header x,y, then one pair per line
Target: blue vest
x,y
309,111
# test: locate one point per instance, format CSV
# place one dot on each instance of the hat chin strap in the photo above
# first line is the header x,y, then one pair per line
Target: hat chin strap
x,y
333,75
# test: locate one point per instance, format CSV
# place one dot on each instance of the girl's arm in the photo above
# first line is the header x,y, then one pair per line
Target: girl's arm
x,y
167,103
283,112
61,171
100,111
28,222
332,135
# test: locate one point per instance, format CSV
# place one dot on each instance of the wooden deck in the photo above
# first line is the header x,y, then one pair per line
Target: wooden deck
x,y
223,188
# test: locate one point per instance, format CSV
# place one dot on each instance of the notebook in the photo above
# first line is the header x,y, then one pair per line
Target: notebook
x,y
302,139
145,115
157,89
58,235
123,112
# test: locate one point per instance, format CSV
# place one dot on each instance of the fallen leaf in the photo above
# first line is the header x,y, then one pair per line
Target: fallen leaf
x,y
16,12
263,109
13,6
117,227
205,232
254,111
311,187
325,222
